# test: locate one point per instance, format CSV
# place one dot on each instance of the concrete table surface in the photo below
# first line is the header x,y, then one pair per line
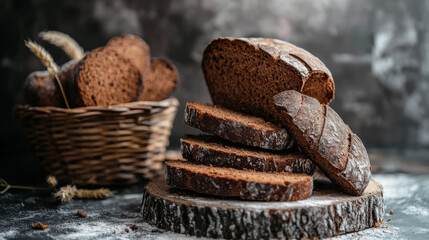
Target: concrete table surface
x,y
407,195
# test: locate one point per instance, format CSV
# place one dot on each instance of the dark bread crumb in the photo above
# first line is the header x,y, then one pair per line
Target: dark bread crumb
x,y
127,230
160,82
134,227
81,214
104,78
392,212
39,226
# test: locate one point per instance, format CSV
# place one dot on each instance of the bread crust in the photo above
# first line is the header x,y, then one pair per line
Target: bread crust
x,y
41,88
225,124
183,177
211,150
338,152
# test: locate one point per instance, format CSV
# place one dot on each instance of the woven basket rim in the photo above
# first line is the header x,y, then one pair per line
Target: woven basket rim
x,y
123,107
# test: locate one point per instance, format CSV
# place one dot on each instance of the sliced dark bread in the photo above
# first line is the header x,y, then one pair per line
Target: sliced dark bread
x,y
41,88
323,135
229,182
160,82
211,150
103,77
243,74
237,127
134,49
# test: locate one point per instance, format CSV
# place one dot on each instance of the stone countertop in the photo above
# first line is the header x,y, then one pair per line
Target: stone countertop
x,y
407,195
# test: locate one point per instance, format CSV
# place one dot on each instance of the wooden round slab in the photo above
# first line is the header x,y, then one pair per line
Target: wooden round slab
x,y
327,213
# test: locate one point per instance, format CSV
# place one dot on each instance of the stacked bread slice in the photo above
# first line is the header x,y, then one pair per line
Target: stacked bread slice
x,y
245,157
270,103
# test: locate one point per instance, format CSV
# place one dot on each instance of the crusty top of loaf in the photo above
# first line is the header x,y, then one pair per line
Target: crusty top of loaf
x,y
244,74
280,50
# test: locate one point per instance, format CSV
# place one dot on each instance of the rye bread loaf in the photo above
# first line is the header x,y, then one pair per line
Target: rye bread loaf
x,y
243,74
103,77
323,135
237,127
41,88
134,49
160,82
229,182
211,150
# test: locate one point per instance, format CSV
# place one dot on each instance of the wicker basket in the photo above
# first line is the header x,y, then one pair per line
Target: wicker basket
x,y
115,145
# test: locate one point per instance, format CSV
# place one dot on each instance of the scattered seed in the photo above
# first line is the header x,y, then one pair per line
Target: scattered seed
x,y
377,225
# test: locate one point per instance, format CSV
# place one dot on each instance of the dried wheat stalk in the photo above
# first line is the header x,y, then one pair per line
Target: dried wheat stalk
x,y
65,42
70,191
93,194
48,62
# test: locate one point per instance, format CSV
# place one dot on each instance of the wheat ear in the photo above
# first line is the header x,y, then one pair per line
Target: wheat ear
x,y
70,191
65,42
48,62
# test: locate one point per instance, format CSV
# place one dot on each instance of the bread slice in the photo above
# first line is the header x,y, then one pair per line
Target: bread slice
x,y
41,88
160,82
237,127
323,135
229,182
134,49
103,77
211,150
243,74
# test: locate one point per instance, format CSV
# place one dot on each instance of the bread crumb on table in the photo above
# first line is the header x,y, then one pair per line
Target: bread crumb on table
x,y
82,214
126,230
134,227
389,219
392,212
39,226
377,225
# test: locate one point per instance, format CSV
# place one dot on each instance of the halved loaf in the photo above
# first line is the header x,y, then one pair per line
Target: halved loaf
x,y
41,88
160,82
211,150
229,182
237,127
243,74
134,49
323,135
103,77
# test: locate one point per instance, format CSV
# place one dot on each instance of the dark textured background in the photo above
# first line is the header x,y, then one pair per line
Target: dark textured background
x,y
377,51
